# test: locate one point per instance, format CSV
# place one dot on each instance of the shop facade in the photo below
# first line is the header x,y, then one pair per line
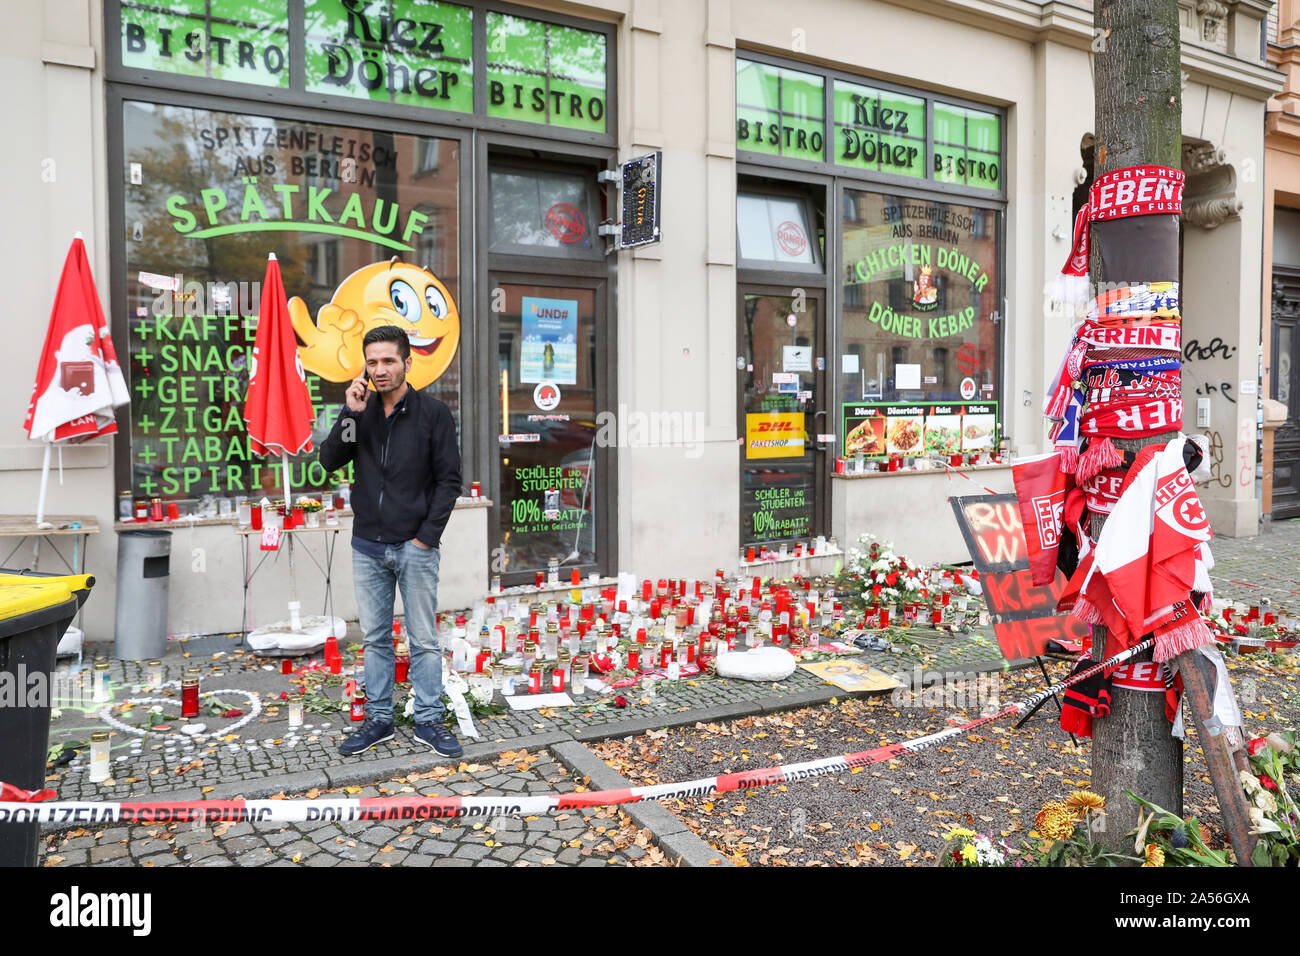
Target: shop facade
x,y
856,244
1280,418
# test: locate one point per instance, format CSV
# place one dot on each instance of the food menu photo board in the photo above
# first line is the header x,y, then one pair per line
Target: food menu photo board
x,y
889,429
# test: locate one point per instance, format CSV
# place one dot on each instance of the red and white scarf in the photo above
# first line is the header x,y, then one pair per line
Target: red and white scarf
x,y
1152,553
1133,191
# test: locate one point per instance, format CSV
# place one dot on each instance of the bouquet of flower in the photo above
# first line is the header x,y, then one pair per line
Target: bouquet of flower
x,y
968,848
1274,816
308,505
881,575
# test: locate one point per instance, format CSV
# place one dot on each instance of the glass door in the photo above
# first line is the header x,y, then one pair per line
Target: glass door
x,y
781,376
545,420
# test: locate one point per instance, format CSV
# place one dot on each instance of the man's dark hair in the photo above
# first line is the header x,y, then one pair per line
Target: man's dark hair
x,y
388,333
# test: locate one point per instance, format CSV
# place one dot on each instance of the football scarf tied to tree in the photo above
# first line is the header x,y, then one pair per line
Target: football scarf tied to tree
x,y
1120,377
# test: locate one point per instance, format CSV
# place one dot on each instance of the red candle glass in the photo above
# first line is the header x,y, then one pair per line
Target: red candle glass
x,y
257,517
538,579
173,511
884,617
298,519
190,697
286,666
358,708
575,578
634,658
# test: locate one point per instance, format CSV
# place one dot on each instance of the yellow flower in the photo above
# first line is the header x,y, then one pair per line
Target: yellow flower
x,y
1055,821
961,833
1085,800
968,853
1155,855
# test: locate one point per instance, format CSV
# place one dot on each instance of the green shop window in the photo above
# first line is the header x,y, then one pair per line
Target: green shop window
x,y
545,73
879,130
780,111
871,128
967,146
241,40
400,52
414,52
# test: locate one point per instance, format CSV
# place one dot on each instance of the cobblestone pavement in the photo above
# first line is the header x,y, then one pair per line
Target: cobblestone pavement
x,y
584,837
262,755
252,751
1267,565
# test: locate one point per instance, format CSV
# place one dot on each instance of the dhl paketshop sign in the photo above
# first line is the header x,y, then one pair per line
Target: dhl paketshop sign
x,y
774,435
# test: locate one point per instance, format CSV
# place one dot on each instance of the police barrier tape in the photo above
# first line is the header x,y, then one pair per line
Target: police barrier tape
x,y
375,809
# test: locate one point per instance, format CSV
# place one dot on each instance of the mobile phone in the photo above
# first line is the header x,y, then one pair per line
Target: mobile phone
x,y
369,380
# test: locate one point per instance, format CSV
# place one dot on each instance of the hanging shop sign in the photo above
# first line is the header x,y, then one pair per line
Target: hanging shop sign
x,y
641,200
781,112
883,429
405,52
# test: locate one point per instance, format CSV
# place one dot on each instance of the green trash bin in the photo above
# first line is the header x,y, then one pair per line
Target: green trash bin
x,y
35,610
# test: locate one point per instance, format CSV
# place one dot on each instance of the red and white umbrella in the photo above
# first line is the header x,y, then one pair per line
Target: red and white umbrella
x,y
78,381
277,408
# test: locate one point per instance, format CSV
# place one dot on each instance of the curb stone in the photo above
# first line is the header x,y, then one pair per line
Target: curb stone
x,y
676,841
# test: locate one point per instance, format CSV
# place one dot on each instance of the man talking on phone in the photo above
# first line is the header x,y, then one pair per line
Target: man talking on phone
x,y
406,478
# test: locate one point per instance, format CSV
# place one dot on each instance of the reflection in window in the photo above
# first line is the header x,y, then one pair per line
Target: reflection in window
x,y
920,283
773,229
189,155
540,208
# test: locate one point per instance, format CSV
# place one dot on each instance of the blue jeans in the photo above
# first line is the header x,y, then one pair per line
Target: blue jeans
x,y
415,571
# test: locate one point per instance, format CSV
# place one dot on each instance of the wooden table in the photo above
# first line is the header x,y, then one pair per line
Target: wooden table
x,y
60,526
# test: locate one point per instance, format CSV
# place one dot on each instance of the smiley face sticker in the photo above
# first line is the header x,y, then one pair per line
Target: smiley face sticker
x,y
382,293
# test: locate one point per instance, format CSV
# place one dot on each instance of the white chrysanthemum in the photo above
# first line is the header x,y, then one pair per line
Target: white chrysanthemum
x,y
480,695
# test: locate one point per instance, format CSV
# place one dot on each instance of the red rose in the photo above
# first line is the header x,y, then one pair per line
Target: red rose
x,y
891,579
620,701
1266,782
875,590
284,695
1256,745
232,713
1241,629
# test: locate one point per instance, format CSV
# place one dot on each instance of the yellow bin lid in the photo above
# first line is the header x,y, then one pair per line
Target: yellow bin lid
x,y
23,595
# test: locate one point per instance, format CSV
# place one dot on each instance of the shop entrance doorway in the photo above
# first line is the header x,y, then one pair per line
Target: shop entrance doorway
x,y
781,378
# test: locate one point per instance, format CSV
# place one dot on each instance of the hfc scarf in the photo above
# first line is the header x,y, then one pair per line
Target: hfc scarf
x,y
1151,555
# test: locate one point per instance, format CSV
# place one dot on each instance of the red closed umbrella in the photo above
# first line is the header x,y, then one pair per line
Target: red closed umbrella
x,y
78,381
277,408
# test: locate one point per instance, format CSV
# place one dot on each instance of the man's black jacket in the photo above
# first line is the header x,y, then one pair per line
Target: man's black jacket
x,y
407,473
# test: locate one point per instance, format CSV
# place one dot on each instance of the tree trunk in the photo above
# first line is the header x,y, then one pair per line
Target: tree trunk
x,y
1138,80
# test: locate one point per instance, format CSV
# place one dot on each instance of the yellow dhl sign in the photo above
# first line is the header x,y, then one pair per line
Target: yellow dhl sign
x,y
774,435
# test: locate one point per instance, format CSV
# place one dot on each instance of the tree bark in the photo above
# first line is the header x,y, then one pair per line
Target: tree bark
x,y
1138,120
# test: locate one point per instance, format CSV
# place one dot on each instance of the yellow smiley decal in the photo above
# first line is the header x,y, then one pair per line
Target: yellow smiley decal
x,y
382,293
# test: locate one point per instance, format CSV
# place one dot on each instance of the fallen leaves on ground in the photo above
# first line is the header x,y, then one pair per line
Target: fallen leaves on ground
x,y
895,813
